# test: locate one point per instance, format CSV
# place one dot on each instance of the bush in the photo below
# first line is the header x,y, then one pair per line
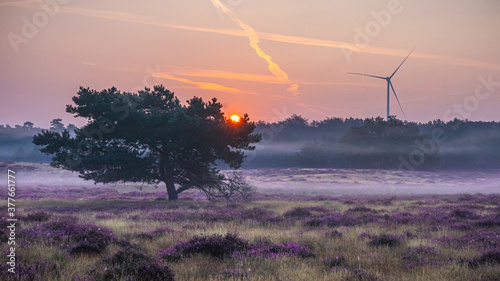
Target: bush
x,y
492,221
91,234
133,264
422,255
463,214
256,213
69,231
390,240
84,248
490,256
29,271
297,212
334,234
360,209
217,246
38,216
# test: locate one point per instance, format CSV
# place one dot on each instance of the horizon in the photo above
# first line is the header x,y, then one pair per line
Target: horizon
x,y
266,59
310,122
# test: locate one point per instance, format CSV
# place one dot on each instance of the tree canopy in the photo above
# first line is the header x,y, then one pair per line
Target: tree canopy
x,y
150,137
375,144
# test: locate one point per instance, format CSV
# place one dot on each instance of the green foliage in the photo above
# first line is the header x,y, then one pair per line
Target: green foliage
x,y
151,137
375,144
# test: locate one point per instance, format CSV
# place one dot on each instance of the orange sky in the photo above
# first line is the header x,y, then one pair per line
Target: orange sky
x,y
269,59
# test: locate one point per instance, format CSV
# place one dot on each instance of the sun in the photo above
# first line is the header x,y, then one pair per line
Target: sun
x,y
235,118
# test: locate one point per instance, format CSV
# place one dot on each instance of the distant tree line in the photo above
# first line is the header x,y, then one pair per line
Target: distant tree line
x,y
376,143
16,143
334,143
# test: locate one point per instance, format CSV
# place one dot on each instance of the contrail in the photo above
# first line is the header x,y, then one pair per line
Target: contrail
x,y
134,18
254,43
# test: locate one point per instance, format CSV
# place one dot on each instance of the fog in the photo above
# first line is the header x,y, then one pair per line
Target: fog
x,y
334,182
356,181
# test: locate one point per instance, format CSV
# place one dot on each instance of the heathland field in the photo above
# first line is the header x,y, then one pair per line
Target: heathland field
x,y
117,233
101,234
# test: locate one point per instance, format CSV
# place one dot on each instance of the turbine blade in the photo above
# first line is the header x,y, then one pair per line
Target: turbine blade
x,y
402,63
392,87
367,75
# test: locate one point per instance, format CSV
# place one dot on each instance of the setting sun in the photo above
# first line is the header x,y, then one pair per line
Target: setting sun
x,y
235,118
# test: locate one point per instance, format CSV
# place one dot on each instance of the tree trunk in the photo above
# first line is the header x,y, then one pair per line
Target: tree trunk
x,y
172,192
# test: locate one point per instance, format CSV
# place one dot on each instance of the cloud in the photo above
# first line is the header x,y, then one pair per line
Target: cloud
x,y
216,87
254,43
220,74
203,85
139,19
294,89
258,78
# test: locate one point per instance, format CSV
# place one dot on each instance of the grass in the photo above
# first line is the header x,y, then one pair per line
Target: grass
x,y
130,219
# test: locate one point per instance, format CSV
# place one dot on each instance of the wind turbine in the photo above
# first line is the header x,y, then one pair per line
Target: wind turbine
x,y
389,85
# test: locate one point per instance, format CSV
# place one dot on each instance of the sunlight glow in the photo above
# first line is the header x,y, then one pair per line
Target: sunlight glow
x,y
235,118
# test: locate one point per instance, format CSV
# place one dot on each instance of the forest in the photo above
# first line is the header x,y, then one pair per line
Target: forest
x,y
371,143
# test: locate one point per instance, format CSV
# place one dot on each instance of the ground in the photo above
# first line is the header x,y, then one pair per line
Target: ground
x,y
75,232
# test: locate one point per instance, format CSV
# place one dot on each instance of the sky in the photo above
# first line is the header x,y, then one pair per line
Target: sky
x,y
267,58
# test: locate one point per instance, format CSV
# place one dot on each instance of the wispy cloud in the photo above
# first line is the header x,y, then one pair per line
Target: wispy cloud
x,y
220,74
258,78
203,85
218,87
139,19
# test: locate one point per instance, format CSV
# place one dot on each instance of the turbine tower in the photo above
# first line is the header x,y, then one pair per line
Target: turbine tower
x,y
389,85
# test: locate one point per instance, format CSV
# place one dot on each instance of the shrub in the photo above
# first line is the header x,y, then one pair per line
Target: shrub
x,y
365,235
334,234
297,212
217,246
335,261
482,239
492,221
256,213
462,226
84,248
133,264
402,218
490,256
463,214
69,231
29,271
422,255
91,234
38,216
360,209
390,240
